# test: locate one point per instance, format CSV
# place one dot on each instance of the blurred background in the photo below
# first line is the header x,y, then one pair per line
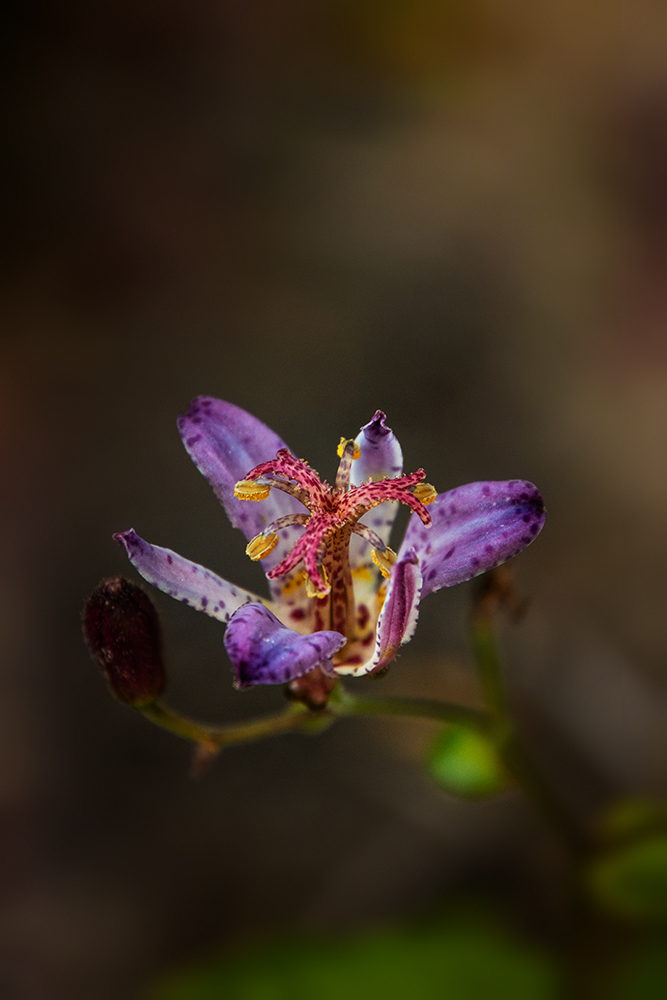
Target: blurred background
x,y
453,210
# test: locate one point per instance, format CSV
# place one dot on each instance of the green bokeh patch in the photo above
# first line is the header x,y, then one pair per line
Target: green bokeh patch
x,y
465,763
445,962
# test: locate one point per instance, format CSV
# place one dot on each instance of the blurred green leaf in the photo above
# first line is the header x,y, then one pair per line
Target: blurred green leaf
x,y
632,880
465,763
453,962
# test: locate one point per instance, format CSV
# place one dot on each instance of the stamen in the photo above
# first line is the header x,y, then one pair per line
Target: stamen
x,y
288,521
261,546
246,489
348,450
368,535
384,560
425,493
342,445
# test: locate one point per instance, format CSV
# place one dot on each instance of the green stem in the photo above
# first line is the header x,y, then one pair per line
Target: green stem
x,y
486,654
520,765
511,748
343,703
295,717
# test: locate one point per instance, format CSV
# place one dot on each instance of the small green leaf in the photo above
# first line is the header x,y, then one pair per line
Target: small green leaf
x,y
632,880
465,763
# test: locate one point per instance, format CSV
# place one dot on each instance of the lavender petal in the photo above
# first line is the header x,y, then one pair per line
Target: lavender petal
x,y
225,442
184,580
265,652
380,456
475,528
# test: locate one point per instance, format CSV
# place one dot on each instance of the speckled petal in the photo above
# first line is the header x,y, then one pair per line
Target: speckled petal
x,y
265,652
398,617
380,456
475,528
184,580
225,443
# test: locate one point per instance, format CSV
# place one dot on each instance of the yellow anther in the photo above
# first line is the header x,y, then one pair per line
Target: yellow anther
x,y
312,590
425,493
261,546
246,489
385,560
345,441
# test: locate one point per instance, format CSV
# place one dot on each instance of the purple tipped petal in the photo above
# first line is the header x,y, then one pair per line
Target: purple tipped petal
x,y
398,618
265,652
225,443
381,453
380,456
475,528
184,580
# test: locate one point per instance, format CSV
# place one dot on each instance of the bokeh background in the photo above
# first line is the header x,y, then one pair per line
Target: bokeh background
x,y
454,210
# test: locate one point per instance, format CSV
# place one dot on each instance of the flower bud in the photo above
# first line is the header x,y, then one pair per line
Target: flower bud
x,y
122,630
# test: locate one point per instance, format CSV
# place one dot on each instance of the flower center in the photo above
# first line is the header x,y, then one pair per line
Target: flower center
x,y
333,516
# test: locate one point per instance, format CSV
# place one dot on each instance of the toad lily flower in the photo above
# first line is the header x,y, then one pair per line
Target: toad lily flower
x,y
342,602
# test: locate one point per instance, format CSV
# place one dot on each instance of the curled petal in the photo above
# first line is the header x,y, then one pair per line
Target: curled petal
x,y
398,618
379,452
225,442
184,580
265,652
475,528
380,455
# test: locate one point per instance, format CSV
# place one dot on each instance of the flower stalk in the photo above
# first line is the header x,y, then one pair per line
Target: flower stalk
x,y
294,717
495,593
343,703
299,717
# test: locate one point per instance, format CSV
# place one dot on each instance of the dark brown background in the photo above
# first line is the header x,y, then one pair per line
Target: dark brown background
x,y
454,212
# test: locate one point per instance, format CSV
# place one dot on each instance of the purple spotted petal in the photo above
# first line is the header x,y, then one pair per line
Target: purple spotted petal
x,y
398,618
225,443
186,581
475,528
380,456
265,652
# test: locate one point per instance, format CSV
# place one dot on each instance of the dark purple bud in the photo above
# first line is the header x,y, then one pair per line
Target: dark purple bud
x,y
122,630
